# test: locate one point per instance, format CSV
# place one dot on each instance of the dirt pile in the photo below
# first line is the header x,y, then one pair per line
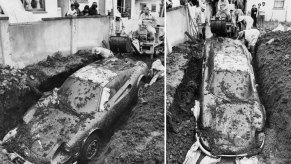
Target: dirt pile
x,y
56,68
20,89
16,94
141,139
273,73
181,95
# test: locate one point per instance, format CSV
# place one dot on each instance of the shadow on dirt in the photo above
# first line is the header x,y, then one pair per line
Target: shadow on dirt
x,y
180,120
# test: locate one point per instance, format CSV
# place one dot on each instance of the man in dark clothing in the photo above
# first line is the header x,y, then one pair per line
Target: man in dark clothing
x,y
254,14
85,12
93,9
77,5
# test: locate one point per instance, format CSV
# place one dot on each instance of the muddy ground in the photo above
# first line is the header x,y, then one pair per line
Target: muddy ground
x,y
273,73
183,82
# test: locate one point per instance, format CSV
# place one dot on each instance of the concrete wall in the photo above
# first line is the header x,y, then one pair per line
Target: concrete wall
x,y
32,42
177,24
273,14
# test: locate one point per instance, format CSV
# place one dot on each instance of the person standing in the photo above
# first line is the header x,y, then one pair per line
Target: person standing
x,y
202,21
262,13
237,13
85,12
254,14
117,26
77,5
72,11
93,9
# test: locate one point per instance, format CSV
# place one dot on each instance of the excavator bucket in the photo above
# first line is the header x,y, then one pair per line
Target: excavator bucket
x,y
218,27
120,44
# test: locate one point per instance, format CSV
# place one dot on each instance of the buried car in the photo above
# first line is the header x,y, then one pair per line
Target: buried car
x,y
229,117
68,125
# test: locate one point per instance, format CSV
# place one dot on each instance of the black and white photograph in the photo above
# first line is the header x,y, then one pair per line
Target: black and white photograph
x,y
82,81
228,81
145,82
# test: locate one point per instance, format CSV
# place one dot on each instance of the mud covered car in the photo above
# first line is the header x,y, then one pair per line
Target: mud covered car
x,y
230,118
67,125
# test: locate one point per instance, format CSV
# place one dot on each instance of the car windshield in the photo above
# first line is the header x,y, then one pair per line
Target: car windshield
x,y
232,85
81,96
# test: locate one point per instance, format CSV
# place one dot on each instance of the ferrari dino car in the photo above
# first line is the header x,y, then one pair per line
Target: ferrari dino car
x,y
230,118
67,126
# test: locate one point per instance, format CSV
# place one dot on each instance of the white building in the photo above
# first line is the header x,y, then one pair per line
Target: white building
x,y
20,11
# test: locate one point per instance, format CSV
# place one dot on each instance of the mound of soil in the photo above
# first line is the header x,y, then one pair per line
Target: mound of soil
x,y
53,71
20,89
183,82
273,73
141,139
16,95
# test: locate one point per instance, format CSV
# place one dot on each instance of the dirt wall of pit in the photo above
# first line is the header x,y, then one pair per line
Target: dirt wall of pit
x,y
21,88
183,82
273,73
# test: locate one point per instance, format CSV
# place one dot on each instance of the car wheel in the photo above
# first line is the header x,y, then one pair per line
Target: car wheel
x,y
89,149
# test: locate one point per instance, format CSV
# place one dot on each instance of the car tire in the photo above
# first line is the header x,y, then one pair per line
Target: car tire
x,y
89,149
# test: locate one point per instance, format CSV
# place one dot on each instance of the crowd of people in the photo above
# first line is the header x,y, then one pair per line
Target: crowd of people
x,y
247,25
75,11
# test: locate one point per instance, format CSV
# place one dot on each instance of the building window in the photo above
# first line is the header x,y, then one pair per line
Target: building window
x,y
33,5
154,8
279,4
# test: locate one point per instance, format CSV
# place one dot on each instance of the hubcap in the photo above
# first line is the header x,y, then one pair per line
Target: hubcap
x,y
92,149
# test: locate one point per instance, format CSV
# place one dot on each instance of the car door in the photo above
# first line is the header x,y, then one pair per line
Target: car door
x,y
119,99
123,97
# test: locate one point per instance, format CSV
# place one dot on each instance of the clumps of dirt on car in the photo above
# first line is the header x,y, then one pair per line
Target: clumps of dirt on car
x,y
21,88
273,70
140,139
182,91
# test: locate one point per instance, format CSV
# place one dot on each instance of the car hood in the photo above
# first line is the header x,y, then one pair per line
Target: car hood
x,y
230,128
41,133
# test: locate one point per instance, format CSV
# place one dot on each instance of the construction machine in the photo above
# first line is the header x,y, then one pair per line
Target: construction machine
x,y
141,42
222,25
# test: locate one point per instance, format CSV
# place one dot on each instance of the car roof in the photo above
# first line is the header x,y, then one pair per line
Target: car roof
x,y
102,72
231,62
